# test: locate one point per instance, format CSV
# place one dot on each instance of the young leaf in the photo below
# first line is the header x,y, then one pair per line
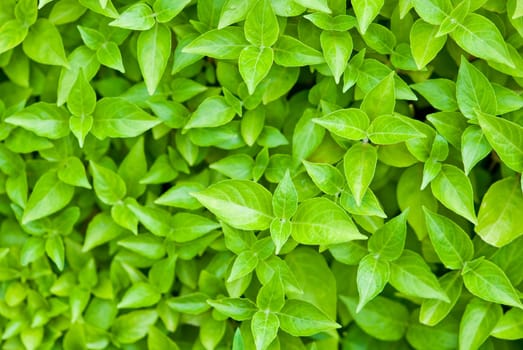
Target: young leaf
x,y
239,309
212,112
506,138
254,64
301,319
243,265
411,275
138,16
454,190
115,117
373,275
49,195
42,118
285,198
321,221
72,172
389,240
234,11
242,204
261,25
226,43
474,148
271,296
166,10
381,99
366,12
318,5
440,93
479,319
326,177
264,328
12,33
337,48
154,49
350,123
391,129
424,43
453,246
108,185
43,44
133,326
474,91
290,52
487,281
82,98
359,165
433,11
499,222
139,295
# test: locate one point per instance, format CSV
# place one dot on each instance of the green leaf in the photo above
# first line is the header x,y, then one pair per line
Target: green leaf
x,y
318,5
440,93
42,118
156,220
321,221
43,44
285,198
234,11
261,25
474,148
509,326
301,319
454,190
366,12
192,303
478,320
133,326
487,281
212,112
499,222
433,11
373,275
382,318
506,138
243,265
12,33
226,43
389,240
158,340
154,49
350,123
109,55
433,311
82,98
92,38
187,227
239,309
480,37
139,295
80,127
264,327
242,204
326,177
474,92
360,165
380,39
254,64
54,248
145,244
290,52
411,275
72,172
138,16
453,245
370,205
49,195
108,185
271,296
381,99
166,10
424,43
324,21
101,229
391,129
115,117
337,48
307,136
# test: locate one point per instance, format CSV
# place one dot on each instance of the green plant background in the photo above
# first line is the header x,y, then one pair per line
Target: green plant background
x,y
261,174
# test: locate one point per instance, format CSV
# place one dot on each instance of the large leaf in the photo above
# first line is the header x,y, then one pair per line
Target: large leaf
x,y
321,221
44,119
479,319
44,44
499,222
242,204
154,49
261,25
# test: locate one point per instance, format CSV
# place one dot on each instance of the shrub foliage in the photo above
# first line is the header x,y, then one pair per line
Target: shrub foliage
x,y
261,174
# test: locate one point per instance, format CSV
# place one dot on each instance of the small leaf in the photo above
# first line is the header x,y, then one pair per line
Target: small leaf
x,y
411,275
101,229
424,43
474,147
243,265
212,112
359,165
290,52
49,195
264,327
43,44
389,240
433,311
474,92
254,64
301,319
433,11
454,190
440,93
321,221
479,319
226,43
381,99
326,177
366,12
453,245
154,49
391,129
239,309
509,325
139,295
133,326
242,204
82,98
506,138
192,303
350,123
285,198
261,25
373,275
72,172
42,118
138,16
337,48
108,185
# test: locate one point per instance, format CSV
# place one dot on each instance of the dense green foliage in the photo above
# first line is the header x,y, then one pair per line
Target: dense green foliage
x,y
261,174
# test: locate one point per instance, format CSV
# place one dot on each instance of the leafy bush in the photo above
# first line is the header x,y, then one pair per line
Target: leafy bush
x,y
261,174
